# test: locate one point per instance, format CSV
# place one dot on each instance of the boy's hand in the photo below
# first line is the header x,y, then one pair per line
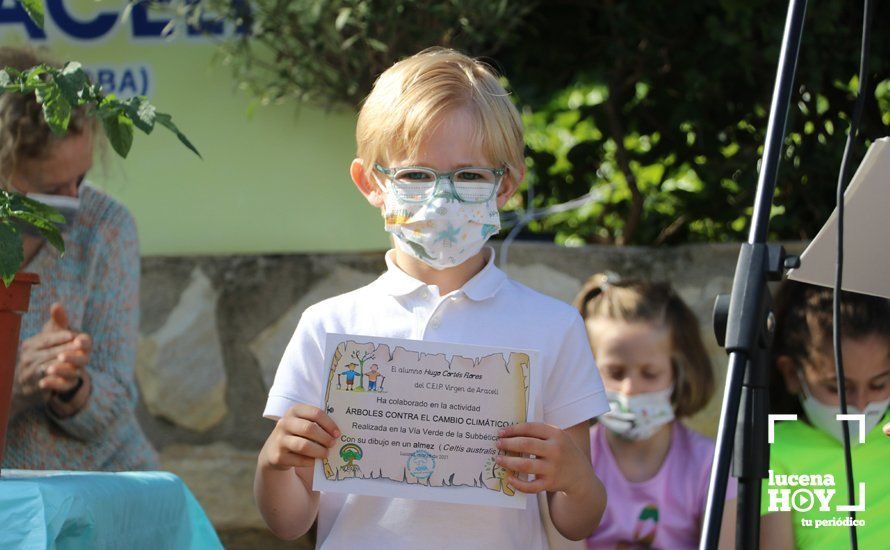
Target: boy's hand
x,y
558,465
303,434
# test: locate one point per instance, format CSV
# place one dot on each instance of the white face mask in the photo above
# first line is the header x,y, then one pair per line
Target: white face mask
x,y
442,232
824,417
638,416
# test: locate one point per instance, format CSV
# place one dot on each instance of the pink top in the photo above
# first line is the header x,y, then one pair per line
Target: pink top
x,y
665,511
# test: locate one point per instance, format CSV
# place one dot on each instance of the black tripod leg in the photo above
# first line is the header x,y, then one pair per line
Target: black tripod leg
x,y
751,452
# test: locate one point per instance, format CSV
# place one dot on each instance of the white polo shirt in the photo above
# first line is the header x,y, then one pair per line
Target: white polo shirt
x,y
490,310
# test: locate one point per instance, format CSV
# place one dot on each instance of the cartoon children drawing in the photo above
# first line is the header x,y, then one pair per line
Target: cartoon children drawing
x,y
350,373
372,376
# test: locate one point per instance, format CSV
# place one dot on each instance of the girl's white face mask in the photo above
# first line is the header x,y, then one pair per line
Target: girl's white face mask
x,y
442,232
639,416
824,417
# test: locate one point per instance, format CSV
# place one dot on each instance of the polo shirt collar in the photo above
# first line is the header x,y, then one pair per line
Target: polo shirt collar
x,y
482,286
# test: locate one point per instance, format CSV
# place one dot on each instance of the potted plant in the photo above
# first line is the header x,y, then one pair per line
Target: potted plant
x,y
59,92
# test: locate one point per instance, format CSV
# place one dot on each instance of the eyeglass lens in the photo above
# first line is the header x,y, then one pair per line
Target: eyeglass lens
x,y
470,184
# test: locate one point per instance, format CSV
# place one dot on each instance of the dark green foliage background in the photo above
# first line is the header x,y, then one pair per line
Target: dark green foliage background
x,y
658,108
685,88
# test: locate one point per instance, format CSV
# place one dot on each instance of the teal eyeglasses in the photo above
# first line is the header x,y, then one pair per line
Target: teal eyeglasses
x,y
418,184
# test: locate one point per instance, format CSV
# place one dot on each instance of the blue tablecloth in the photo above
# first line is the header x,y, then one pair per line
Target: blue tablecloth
x,y
100,510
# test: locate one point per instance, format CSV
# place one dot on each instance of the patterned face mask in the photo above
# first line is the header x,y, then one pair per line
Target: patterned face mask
x,y
638,416
443,231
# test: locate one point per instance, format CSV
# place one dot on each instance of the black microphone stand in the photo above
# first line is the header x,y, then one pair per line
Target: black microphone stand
x,y
744,324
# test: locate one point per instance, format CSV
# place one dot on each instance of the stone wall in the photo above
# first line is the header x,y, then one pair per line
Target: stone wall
x,y
214,329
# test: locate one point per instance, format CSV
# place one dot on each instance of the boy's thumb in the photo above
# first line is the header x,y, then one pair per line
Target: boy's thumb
x,y
58,316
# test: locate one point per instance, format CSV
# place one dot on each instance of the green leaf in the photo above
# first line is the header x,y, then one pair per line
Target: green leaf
x,y
141,112
49,230
19,203
37,214
11,255
34,9
109,106
349,42
166,121
33,78
315,11
119,130
56,109
377,45
73,83
342,18
4,78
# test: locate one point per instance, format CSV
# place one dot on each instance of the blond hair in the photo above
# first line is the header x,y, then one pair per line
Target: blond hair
x,y
633,301
409,99
24,133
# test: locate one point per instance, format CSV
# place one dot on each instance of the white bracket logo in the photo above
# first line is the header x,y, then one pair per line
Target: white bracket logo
x,y
859,418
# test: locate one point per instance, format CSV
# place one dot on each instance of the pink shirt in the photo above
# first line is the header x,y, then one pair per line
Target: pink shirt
x,y
665,511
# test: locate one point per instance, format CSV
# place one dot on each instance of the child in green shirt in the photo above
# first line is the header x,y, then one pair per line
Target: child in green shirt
x,y
807,480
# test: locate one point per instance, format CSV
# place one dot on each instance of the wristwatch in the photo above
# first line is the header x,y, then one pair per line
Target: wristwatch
x,y
69,395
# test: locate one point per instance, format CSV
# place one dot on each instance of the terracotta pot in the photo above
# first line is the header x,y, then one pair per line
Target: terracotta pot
x,y
13,302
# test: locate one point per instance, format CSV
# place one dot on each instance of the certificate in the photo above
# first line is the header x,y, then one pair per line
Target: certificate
x,y
420,419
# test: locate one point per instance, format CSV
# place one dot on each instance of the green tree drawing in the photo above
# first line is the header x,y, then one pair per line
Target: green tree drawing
x,y
351,453
362,358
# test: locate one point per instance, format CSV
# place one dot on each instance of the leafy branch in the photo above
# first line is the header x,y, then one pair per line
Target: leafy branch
x,y
329,52
61,91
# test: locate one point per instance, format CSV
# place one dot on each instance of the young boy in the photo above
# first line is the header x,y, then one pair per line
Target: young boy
x,y
440,150
373,376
